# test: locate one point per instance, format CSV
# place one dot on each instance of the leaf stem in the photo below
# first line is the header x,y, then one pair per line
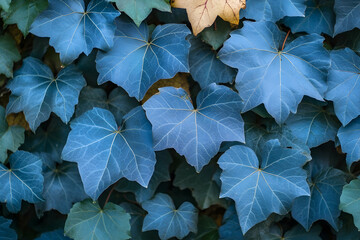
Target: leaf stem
x,y
287,35
111,191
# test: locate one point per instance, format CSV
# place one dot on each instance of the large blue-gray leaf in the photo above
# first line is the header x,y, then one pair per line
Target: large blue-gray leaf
x,y
105,152
319,18
62,188
161,174
6,232
260,188
169,221
326,184
195,133
313,123
343,84
36,92
230,228
141,58
23,181
272,10
205,67
11,137
347,15
53,235
349,137
277,78
74,28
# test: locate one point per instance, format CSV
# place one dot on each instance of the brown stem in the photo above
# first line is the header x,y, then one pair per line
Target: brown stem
x,y
111,191
287,35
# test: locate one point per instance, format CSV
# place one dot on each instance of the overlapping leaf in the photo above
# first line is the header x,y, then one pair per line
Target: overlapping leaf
x,y
273,10
260,188
169,221
195,133
343,82
347,15
74,28
230,229
6,232
105,152
11,137
295,233
277,78
350,200
36,92
22,181
87,220
5,4
141,58
53,235
8,55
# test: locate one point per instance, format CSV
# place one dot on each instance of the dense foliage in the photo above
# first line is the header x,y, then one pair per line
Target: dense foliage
x,y
189,119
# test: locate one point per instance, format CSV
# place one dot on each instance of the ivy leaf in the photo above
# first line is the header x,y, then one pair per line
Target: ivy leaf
x,y
277,78
36,92
230,228
142,59
278,178
349,200
202,13
118,101
62,188
105,152
313,124
169,221
347,15
326,184
74,29
23,181
216,36
8,55
273,10
349,137
349,39
204,188
138,10
161,174
5,4
195,133
6,232
295,233
343,84
207,230
11,137
205,67
319,18
348,230
23,13
53,235
87,220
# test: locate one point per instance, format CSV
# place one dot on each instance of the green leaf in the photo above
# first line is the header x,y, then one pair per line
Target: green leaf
x,y
8,55
350,200
216,35
138,10
23,13
11,137
5,4
207,230
87,220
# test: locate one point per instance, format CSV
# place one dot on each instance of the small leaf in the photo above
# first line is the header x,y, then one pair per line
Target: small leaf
x,y
207,230
216,35
8,55
278,178
5,4
105,152
169,221
23,181
53,235
141,59
87,220
295,233
195,133
11,137
347,15
6,232
230,228
350,200
348,230
74,29
36,92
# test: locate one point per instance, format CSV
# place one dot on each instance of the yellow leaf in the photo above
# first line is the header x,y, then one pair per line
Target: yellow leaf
x,y
17,119
202,13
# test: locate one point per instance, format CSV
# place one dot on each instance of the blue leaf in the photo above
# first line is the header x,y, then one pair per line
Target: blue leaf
x,y
348,230
230,228
349,137
195,133
169,221
272,10
74,29
62,188
36,92
319,18
343,85
313,124
347,15
277,78
141,59
6,232
53,235
260,188
23,181
105,152
205,67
